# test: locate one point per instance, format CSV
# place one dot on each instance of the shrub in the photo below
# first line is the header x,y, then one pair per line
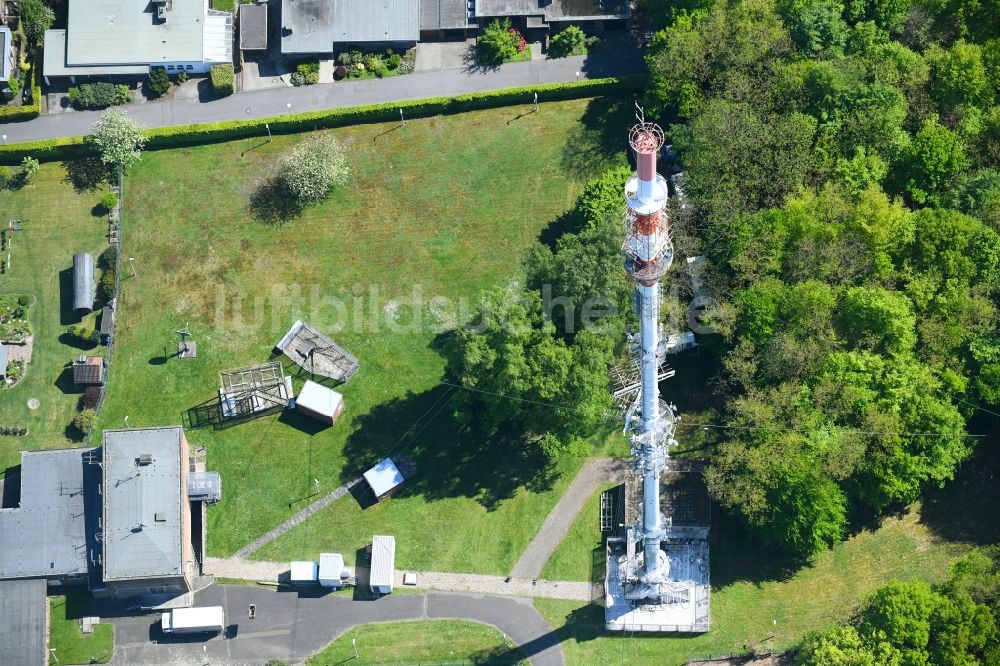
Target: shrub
x,y
308,67
223,79
339,73
298,79
373,63
84,421
312,78
29,166
23,300
4,177
84,334
99,95
313,169
108,258
36,18
182,77
106,286
566,42
109,201
497,43
159,82
91,396
118,139
394,60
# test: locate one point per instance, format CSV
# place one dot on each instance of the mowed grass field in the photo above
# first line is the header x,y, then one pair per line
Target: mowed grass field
x,y
57,221
437,212
443,642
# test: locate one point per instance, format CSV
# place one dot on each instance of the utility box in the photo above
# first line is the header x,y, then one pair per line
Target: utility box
x,y
332,572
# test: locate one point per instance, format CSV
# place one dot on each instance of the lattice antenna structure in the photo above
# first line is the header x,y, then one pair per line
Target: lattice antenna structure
x,y
649,252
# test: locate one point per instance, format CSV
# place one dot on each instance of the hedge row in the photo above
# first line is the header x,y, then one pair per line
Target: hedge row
x,y
33,110
188,135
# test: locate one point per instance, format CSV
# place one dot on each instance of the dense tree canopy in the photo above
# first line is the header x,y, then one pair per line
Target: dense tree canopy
x,y
841,162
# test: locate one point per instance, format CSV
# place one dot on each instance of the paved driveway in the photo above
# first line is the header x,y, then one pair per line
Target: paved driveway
x,y
292,625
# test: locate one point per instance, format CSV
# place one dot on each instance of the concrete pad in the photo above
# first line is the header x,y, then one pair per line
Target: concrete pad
x,y
438,56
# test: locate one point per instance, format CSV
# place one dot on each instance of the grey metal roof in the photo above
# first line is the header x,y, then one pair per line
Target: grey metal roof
x,y
8,63
443,14
556,10
3,360
253,27
125,32
46,535
143,503
205,486
84,287
54,62
313,26
23,622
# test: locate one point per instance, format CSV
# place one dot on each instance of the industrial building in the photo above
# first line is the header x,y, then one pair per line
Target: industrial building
x,y
328,26
115,37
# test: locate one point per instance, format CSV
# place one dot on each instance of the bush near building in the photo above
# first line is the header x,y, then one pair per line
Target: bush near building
x,y
499,42
84,421
159,82
223,79
99,95
109,201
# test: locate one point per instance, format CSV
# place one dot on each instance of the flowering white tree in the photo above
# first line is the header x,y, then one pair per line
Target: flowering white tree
x,y
119,139
313,169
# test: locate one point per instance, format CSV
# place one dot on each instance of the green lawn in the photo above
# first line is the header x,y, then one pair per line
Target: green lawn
x,y
71,646
57,222
749,604
580,555
443,207
443,642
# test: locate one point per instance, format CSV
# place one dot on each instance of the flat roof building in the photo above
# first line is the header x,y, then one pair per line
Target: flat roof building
x,y
383,478
23,622
146,541
383,566
46,535
325,26
107,37
539,14
319,402
253,27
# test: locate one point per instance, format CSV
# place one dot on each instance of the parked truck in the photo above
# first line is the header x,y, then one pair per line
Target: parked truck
x,y
193,620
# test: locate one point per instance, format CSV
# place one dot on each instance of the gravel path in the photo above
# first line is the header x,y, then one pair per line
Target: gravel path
x,y
596,472
305,513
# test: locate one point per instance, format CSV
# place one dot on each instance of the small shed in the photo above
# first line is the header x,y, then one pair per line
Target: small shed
x,y
107,324
332,572
383,478
3,361
253,27
304,572
88,370
383,567
319,402
84,286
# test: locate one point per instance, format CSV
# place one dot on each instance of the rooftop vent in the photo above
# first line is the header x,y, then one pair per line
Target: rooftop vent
x,y
160,517
145,458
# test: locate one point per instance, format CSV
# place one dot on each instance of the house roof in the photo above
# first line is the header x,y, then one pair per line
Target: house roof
x,y
89,372
3,360
107,320
8,62
54,60
46,535
554,10
253,27
443,14
23,622
319,399
84,287
123,32
143,503
313,26
383,477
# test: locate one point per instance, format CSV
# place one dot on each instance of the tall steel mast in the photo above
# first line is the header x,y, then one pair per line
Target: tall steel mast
x,y
649,253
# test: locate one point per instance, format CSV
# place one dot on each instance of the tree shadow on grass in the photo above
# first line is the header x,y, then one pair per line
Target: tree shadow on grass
x,y
271,204
85,174
451,459
736,556
602,136
966,508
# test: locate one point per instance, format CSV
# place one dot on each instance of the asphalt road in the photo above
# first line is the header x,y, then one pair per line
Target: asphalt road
x,y
278,101
294,625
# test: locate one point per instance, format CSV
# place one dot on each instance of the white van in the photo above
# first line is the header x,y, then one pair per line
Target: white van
x,y
210,619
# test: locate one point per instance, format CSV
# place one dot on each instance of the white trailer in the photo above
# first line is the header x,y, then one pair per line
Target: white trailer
x,y
383,566
209,619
